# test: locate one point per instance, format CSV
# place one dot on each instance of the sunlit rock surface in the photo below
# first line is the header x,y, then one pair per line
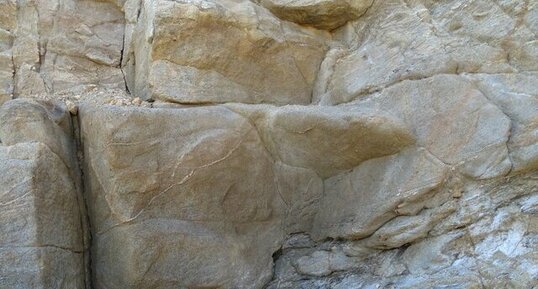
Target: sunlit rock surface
x,y
268,144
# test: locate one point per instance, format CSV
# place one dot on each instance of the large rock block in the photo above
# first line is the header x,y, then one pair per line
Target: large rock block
x,y
179,198
42,238
27,120
8,21
221,51
328,140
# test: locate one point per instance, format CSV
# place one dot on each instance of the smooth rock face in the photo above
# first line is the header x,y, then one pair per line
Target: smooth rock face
x,y
453,120
188,216
268,144
42,238
517,96
299,135
248,55
390,186
321,14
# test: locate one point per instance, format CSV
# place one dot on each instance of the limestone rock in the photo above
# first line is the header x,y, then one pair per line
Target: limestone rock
x,y
453,120
517,96
42,238
301,190
495,250
397,40
26,120
7,29
248,54
357,203
203,214
322,14
345,137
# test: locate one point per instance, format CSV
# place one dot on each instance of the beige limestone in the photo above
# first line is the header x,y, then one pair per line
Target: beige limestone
x,y
42,238
248,54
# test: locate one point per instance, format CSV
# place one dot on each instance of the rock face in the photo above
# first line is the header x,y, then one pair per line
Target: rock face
x,y
41,241
268,144
249,55
192,205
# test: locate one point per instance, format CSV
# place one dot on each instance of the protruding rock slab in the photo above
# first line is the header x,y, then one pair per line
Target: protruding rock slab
x,y
357,203
225,51
322,14
328,140
188,201
41,243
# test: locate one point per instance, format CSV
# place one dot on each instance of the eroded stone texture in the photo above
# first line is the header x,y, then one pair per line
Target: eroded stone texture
x,y
395,151
203,214
7,28
61,45
344,136
222,51
517,96
357,203
487,240
453,120
42,238
321,14
399,40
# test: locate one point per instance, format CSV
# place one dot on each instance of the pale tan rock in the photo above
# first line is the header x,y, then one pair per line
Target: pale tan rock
x,y
49,123
8,19
42,238
27,120
357,203
322,14
394,41
328,140
517,96
248,54
453,120
203,214
407,229
301,190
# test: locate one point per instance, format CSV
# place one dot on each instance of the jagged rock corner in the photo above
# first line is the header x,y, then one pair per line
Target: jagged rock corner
x,y
271,144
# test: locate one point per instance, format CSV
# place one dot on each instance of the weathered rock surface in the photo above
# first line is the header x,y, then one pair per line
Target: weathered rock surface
x,y
390,186
204,214
299,135
517,96
249,55
41,244
398,40
453,120
50,46
487,241
321,14
268,144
